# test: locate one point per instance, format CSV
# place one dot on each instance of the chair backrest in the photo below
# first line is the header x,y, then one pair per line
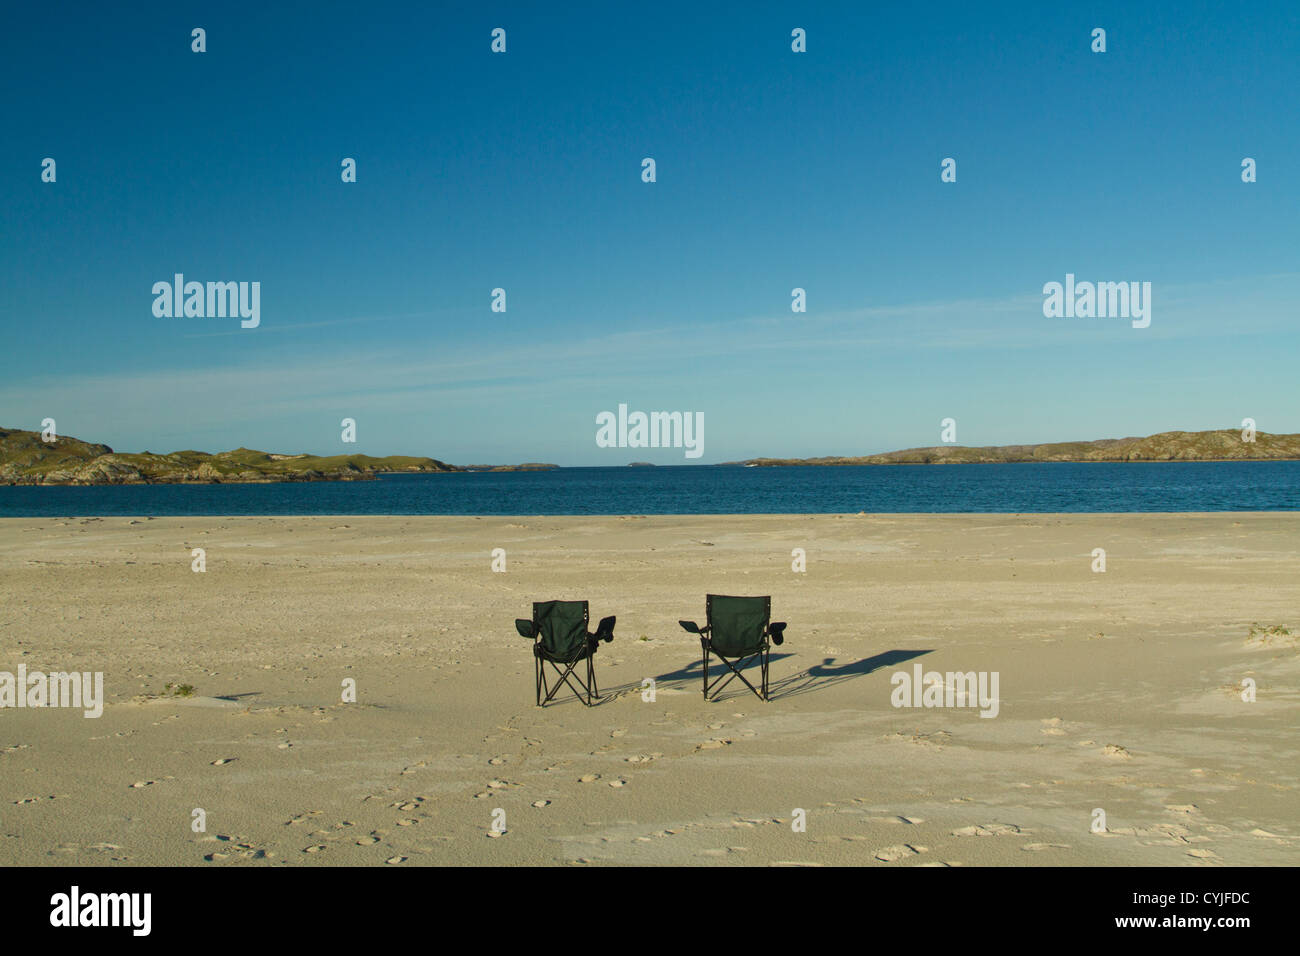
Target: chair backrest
x,y
562,627
738,623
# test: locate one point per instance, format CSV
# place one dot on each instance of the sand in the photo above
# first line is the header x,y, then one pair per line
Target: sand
x,y
1118,691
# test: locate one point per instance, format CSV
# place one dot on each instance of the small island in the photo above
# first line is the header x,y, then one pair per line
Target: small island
x,y
526,466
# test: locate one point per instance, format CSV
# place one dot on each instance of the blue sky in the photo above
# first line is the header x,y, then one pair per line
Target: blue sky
x,y
522,170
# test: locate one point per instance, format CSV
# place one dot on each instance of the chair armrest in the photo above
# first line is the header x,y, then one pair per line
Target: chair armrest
x,y
692,627
525,627
605,629
777,630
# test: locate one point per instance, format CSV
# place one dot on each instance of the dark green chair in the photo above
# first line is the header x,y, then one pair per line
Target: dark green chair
x,y
739,630
559,630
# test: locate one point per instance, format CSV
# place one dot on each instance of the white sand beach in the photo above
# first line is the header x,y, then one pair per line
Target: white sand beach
x,y
1118,691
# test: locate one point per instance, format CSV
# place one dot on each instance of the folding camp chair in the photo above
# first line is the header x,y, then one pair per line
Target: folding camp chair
x,y
560,629
739,630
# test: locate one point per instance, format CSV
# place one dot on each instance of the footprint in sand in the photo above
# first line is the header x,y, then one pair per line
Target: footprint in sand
x,y
717,744
618,783
541,803
1052,727
223,761
936,740
990,829
1167,834
892,854
589,778
234,847
1117,752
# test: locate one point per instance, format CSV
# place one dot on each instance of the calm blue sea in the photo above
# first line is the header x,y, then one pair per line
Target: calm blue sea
x,y
1165,486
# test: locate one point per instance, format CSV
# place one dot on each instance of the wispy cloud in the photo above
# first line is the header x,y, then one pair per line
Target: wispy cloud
x,y
292,377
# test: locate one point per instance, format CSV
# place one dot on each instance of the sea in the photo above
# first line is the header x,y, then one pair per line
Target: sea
x,y
712,489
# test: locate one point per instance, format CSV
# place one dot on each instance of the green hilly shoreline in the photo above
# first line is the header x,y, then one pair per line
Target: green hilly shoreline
x,y
27,460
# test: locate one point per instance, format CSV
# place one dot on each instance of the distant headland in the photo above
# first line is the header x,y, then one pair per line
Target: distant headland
x,y
1220,445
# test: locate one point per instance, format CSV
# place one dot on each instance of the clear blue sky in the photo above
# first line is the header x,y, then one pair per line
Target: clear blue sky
x,y
523,171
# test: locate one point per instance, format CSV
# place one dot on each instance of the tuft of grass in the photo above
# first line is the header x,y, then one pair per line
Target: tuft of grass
x,y
178,690
1270,636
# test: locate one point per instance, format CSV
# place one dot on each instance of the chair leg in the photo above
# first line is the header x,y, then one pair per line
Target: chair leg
x,y
736,668
705,649
566,676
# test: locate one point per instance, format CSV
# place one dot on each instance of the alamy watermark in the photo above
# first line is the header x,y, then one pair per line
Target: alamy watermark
x,y
212,300
75,908
653,430
1101,300
953,689
74,689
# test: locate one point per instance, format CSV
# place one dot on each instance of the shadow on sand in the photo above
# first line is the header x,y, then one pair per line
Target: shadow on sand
x,y
815,678
827,673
